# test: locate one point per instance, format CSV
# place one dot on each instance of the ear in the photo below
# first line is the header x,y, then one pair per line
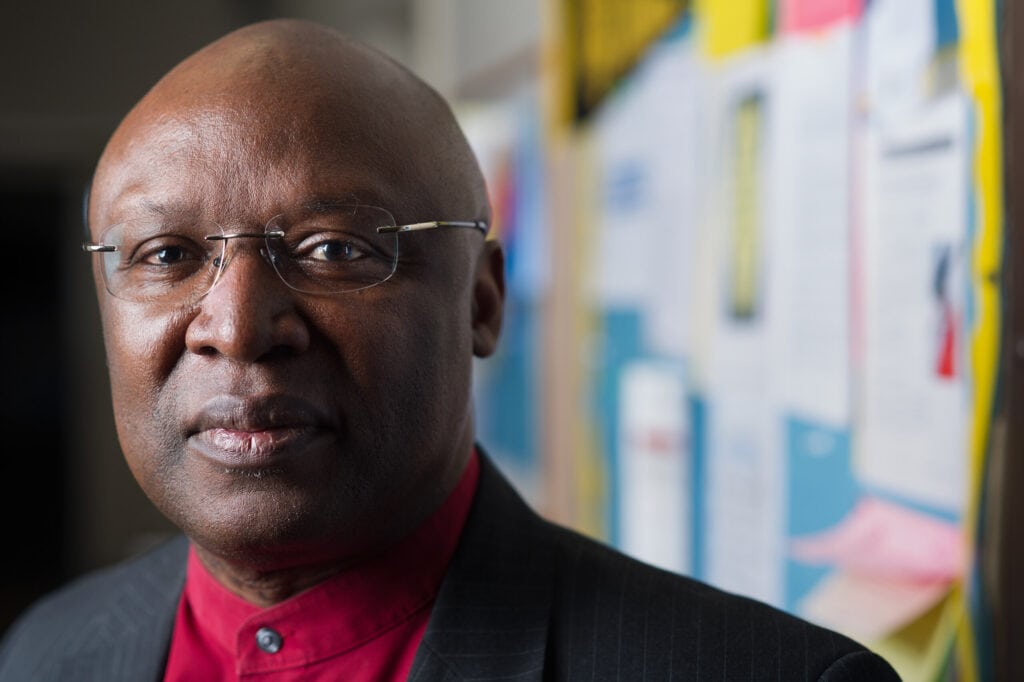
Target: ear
x,y
488,298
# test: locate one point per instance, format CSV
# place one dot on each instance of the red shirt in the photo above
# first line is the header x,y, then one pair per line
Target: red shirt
x,y
363,624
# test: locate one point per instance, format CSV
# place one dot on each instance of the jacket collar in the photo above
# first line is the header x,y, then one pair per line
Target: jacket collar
x,y
491,615
128,638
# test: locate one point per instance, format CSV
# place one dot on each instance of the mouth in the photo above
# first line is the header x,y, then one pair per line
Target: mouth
x,y
254,433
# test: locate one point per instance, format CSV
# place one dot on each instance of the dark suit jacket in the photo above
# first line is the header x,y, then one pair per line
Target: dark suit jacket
x,y
523,600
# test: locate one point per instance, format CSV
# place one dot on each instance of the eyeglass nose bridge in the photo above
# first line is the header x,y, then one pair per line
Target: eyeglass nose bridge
x,y
221,262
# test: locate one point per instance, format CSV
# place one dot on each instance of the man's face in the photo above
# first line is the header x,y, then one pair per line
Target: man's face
x,y
273,426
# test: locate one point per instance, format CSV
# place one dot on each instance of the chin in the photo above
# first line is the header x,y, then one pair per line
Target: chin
x,y
271,538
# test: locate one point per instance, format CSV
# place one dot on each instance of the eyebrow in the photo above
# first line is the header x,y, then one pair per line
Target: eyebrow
x,y
319,205
176,210
181,211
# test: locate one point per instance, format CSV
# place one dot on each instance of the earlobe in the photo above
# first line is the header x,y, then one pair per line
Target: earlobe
x,y
488,299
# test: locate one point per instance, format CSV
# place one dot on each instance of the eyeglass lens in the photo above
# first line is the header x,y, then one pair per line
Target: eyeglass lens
x,y
329,248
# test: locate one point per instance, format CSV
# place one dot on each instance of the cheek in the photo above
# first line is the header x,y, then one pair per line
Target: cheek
x,y
134,335
431,339
414,357
142,349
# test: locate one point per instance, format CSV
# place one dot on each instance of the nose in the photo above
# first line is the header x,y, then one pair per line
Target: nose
x,y
249,314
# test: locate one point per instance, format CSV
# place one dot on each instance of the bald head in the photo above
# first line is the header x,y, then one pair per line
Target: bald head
x,y
285,422
259,93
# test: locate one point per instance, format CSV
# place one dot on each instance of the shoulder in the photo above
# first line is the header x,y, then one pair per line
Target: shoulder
x,y
614,611
610,616
135,599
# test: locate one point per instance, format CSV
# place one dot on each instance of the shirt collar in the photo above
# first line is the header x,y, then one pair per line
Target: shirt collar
x,y
348,609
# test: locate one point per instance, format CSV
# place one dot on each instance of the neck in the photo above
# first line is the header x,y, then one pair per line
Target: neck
x,y
264,587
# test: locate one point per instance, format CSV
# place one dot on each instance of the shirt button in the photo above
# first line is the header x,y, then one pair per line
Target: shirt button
x,y
268,640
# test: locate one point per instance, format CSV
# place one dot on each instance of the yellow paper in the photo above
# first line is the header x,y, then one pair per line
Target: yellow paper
x,y
918,651
592,45
591,484
732,25
979,65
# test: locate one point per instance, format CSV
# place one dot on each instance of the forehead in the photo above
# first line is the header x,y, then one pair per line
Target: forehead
x,y
240,161
258,121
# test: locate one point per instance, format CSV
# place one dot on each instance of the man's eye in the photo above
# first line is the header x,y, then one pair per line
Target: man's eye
x,y
326,247
167,256
336,250
165,253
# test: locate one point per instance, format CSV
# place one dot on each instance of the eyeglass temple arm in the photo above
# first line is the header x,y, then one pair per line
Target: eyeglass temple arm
x,y
433,224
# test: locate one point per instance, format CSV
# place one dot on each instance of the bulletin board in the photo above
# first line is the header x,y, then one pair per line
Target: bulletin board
x,y
786,226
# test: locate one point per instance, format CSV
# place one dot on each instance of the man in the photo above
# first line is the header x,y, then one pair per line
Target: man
x,y
290,254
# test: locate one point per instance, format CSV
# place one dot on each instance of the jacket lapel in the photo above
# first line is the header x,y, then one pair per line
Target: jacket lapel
x,y
490,619
129,640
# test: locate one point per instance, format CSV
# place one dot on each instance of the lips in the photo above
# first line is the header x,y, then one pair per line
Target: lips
x,y
255,432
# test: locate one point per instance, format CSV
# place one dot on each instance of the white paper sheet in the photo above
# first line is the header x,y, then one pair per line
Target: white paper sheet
x,y
810,217
900,45
914,399
655,465
646,153
745,486
745,497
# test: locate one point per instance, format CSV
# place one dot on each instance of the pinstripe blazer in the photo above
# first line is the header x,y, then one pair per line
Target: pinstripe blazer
x,y
523,600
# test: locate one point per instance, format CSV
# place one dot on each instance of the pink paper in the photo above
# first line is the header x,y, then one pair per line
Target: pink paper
x,y
868,609
883,540
815,15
